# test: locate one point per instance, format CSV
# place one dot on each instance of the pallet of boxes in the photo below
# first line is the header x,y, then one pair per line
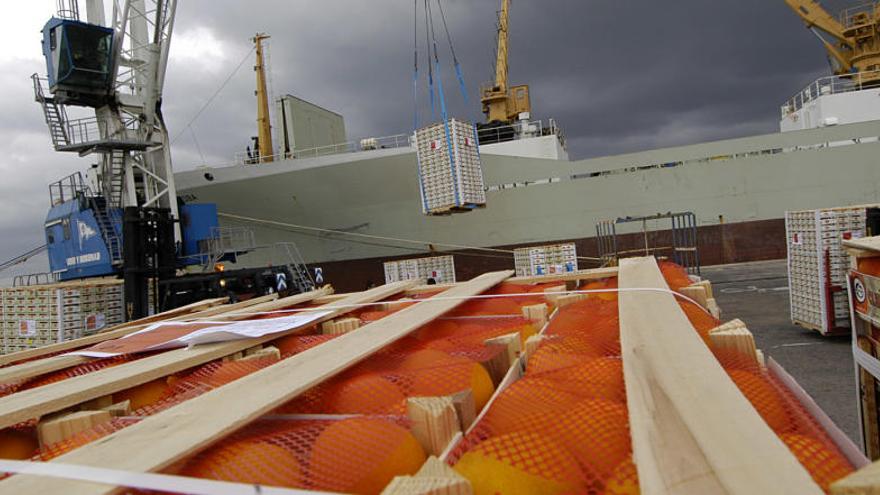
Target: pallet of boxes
x,y
499,384
435,270
39,315
450,169
818,264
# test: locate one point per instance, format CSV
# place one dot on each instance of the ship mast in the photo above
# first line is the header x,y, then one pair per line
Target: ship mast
x,y
264,127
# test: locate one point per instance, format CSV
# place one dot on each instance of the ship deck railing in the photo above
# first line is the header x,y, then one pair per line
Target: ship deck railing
x,y
830,85
516,131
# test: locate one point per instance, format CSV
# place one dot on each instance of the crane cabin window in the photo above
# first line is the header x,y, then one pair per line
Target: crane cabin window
x,y
85,55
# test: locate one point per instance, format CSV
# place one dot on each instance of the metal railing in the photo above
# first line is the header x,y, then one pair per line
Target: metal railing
x,y
70,187
829,86
366,144
521,130
855,15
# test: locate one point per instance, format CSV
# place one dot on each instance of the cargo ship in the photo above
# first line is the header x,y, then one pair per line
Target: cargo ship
x,y
349,206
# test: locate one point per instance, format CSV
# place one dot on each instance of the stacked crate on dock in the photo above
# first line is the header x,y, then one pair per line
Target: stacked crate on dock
x,y
545,260
101,306
817,265
450,171
440,269
39,315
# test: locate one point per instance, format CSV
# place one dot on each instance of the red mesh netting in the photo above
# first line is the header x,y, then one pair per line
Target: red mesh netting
x,y
357,455
563,427
778,406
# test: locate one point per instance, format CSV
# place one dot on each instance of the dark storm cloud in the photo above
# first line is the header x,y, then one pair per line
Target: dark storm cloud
x,y
619,76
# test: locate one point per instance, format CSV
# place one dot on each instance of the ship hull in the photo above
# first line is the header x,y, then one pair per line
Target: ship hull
x,y
739,190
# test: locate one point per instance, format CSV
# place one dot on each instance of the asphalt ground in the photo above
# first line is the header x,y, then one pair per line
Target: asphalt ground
x,y
757,293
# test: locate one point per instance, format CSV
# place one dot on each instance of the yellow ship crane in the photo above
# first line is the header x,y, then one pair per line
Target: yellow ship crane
x,y
855,48
263,146
502,103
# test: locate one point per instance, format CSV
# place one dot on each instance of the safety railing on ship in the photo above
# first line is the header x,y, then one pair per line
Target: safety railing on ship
x,y
829,86
367,144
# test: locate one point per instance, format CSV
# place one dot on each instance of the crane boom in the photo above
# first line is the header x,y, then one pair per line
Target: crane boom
x,y
502,103
503,40
855,47
815,16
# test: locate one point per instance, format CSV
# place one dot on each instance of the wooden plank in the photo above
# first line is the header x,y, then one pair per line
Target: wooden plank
x,y
53,397
158,441
31,369
111,333
871,244
592,274
865,481
693,430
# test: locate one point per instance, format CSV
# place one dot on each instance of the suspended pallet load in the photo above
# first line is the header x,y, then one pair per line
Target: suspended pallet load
x,y
450,170
531,387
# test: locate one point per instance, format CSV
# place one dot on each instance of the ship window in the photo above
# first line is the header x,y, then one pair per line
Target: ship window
x,y
53,39
50,237
65,225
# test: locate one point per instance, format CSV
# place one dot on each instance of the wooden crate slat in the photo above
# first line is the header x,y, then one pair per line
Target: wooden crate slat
x,y
110,333
53,397
693,430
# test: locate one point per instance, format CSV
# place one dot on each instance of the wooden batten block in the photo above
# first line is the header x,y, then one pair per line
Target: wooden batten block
x,y
435,468
63,427
564,301
532,344
510,346
435,478
465,408
119,409
340,326
96,404
713,308
412,485
759,355
733,336
549,293
538,313
697,293
434,422
269,352
708,286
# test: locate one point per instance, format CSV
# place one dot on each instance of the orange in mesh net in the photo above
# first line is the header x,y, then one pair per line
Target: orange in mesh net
x,y
382,385
608,283
825,465
521,463
358,455
624,480
18,443
676,276
255,461
777,405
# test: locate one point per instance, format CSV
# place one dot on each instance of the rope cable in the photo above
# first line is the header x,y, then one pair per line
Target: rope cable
x,y
377,237
214,96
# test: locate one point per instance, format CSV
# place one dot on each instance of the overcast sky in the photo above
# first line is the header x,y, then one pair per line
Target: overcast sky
x,y
618,76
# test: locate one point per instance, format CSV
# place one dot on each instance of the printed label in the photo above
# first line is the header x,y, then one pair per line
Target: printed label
x,y
27,328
